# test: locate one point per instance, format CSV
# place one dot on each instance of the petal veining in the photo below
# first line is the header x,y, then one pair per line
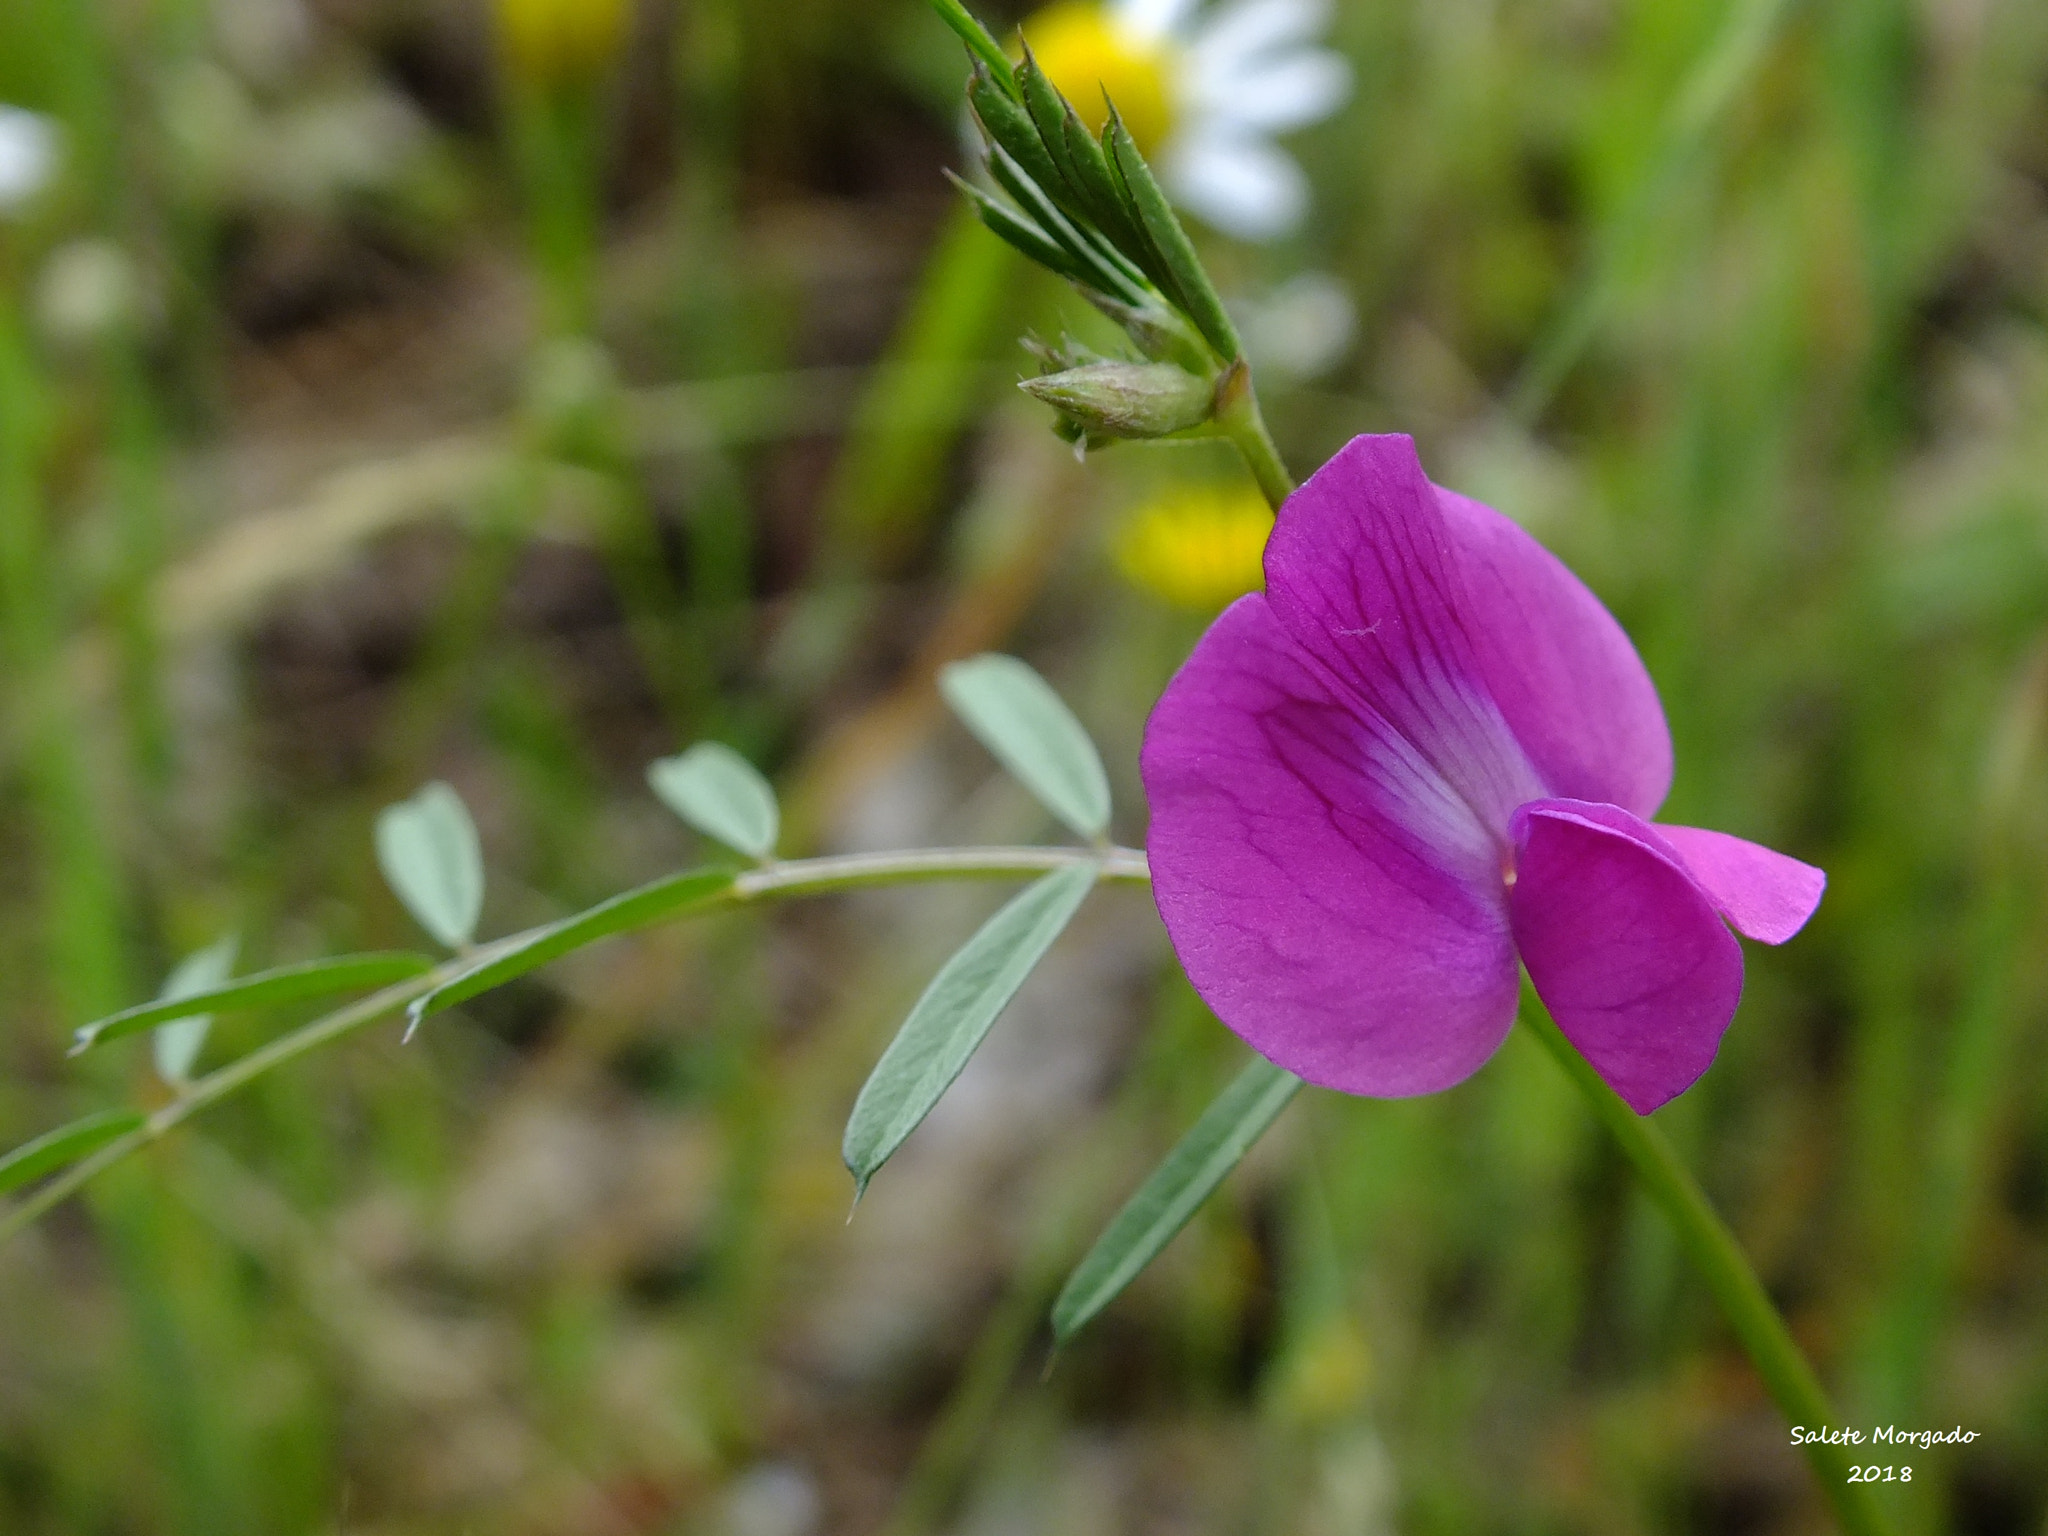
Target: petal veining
x,y
1625,948
1305,907
1363,572
1557,665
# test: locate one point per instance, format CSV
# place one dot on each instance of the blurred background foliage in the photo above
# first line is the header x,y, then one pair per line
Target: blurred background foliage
x,y
393,390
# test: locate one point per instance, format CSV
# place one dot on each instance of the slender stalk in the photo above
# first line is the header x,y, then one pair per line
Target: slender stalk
x,y
770,882
1238,418
805,877
1726,1269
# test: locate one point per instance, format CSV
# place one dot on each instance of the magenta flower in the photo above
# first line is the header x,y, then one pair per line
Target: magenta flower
x,y
1424,750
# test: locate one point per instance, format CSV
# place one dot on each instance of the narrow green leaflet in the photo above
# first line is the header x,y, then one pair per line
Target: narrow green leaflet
x,y
954,1015
1099,190
1017,716
1190,281
1047,108
1176,1190
1006,123
722,795
428,850
665,898
67,1144
287,984
177,1044
1112,272
1020,233
975,36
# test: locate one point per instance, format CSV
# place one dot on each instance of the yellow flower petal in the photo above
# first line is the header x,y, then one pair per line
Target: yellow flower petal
x,y
1085,51
1196,547
551,42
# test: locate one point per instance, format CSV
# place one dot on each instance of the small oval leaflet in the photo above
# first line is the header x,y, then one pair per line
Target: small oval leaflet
x,y
954,1015
1198,1163
1015,714
176,1045
427,847
722,795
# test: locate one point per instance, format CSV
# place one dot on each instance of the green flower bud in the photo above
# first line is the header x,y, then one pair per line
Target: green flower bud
x,y
1105,401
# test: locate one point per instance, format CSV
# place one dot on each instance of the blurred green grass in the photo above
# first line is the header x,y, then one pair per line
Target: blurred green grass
x,y
429,429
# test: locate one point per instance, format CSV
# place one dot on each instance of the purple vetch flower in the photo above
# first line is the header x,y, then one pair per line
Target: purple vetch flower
x,y
1424,750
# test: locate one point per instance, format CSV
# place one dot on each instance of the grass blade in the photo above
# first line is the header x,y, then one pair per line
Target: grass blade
x,y
287,984
954,1016
67,1144
1175,1191
1016,714
652,903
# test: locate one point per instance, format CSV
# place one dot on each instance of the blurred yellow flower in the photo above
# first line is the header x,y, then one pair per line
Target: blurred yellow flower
x,y
558,42
1204,86
1196,546
1086,51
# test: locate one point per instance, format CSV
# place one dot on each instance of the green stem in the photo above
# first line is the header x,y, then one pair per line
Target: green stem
x,y
1238,418
1726,1269
770,882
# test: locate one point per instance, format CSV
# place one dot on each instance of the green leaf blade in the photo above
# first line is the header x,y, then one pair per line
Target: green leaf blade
x,y
673,896
176,1045
287,984
955,1014
427,847
1047,110
1027,726
976,37
722,795
1199,1162
1018,232
1007,124
65,1145
1111,272
1190,281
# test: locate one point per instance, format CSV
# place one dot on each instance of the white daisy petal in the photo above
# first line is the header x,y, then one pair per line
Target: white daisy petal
x,y
1245,187
28,155
1289,92
1244,29
1152,20
1302,328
